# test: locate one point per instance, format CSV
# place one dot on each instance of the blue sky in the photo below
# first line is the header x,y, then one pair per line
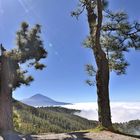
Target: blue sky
x,y
64,77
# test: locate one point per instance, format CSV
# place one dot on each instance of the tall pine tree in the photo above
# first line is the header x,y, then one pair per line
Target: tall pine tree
x,y
29,48
111,35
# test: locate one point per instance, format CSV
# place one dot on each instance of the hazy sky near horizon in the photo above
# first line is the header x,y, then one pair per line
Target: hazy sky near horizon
x,y
64,77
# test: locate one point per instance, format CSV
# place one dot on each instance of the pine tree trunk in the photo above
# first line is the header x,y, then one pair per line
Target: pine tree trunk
x,y
102,79
6,117
102,76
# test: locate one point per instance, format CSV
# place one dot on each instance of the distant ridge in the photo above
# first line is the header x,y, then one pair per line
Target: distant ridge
x,y
39,100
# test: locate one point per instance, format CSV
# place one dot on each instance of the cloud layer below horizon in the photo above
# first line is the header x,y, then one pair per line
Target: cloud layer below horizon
x,y
121,111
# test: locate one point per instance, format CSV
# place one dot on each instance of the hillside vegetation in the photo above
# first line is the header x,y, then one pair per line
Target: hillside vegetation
x,y
131,127
28,119
33,120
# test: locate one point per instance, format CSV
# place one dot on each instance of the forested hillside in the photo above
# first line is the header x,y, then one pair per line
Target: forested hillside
x,y
131,127
28,119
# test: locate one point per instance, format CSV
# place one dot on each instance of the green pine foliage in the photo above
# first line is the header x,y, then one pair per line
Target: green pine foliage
x,y
16,120
119,35
29,50
49,119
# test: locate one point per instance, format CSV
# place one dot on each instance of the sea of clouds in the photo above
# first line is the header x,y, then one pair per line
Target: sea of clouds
x,y
121,111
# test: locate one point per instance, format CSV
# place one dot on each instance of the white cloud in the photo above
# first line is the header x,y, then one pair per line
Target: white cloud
x,y
121,111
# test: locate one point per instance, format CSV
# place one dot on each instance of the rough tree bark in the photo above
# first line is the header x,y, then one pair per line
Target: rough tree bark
x,y
7,77
6,122
102,76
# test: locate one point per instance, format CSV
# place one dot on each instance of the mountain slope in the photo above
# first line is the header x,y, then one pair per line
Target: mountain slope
x,y
41,100
58,119
49,119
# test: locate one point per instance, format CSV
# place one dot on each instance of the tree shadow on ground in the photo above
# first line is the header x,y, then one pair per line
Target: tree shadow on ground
x,y
11,136
78,136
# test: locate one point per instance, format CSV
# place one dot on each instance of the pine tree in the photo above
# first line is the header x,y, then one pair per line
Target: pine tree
x,y
111,36
29,49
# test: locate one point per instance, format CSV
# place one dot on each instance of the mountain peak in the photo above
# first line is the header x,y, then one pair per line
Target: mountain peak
x,y
38,95
41,100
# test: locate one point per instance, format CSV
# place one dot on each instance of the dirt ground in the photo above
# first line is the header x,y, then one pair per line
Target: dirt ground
x,y
104,135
